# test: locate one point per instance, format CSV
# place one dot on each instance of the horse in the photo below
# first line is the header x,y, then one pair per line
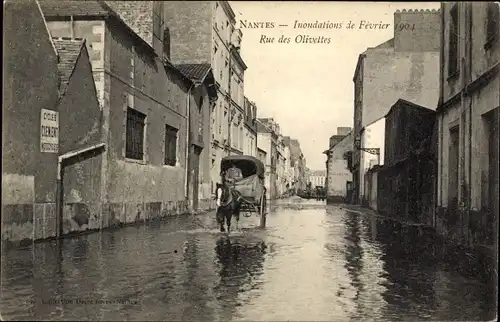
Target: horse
x,y
228,205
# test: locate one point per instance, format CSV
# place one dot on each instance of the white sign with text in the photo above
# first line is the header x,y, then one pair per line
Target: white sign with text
x,y
49,131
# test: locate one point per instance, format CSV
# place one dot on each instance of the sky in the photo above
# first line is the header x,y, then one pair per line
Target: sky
x,y
308,88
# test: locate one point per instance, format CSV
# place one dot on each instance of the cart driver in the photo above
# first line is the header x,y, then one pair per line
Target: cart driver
x,y
233,174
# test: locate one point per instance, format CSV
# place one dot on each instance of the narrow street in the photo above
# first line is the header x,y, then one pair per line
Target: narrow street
x,y
313,262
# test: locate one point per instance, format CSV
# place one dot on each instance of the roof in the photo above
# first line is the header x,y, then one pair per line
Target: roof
x,y
63,8
244,161
404,103
69,50
195,72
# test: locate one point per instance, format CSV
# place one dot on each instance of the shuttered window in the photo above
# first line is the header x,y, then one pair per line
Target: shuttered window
x,y
170,145
135,134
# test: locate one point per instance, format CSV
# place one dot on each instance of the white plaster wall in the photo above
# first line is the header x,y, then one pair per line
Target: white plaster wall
x,y
389,76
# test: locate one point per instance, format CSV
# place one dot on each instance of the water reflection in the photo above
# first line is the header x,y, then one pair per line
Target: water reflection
x,y
308,264
241,263
353,253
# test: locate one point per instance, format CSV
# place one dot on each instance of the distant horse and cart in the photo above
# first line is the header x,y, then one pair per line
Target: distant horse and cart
x,y
241,190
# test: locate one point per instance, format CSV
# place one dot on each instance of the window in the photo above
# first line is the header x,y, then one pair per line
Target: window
x,y
166,42
170,145
453,41
135,134
492,22
453,167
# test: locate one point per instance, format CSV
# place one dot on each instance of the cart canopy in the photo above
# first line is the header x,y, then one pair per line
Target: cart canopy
x,y
248,165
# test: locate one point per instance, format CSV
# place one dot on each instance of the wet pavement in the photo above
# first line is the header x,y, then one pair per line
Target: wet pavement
x,y
313,262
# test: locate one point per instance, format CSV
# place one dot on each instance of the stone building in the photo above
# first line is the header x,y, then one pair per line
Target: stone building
x,y
267,140
204,32
468,117
402,67
317,178
144,105
50,110
202,99
250,129
338,176
280,166
298,164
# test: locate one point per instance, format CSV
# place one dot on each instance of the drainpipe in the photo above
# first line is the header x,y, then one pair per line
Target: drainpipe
x,y
463,181
229,127
72,27
60,188
469,76
188,143
439,182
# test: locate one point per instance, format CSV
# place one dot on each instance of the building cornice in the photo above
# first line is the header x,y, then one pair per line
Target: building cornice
x,y
480,82
238,58
483,80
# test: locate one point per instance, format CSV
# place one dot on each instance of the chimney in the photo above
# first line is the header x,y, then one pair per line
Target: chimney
x,y
146,18
343,130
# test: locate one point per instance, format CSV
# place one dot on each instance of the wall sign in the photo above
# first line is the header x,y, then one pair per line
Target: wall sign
x,y
49,131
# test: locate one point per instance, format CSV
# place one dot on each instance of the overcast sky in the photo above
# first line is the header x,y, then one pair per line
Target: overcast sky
x,y
308,88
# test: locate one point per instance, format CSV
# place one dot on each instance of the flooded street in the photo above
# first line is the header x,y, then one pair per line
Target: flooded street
x,y
316,263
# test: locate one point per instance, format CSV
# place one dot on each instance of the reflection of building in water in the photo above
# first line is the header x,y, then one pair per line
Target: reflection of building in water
x,y
409,271
353,257
365,268
241,262
196,288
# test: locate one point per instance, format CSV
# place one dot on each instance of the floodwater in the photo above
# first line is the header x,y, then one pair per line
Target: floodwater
x,y
310,263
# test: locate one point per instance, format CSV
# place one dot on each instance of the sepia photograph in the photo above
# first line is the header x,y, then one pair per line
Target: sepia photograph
x,y
250,161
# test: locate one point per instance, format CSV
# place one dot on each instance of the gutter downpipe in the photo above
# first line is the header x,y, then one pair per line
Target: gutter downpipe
x,y
439,183
59,187
188,142
469,98
463,182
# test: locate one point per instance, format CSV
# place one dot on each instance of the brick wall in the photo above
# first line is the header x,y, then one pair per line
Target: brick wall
x,y
190,24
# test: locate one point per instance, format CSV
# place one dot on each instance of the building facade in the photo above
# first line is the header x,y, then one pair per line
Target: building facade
x,y
403,188
317,178
201,32
202,99
250,128
144,105
267,140
298,164
468,117
402,67
48,112
288,169
338,176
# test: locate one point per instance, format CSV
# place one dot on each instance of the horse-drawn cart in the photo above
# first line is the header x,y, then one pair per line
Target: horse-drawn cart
x,y
243,175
